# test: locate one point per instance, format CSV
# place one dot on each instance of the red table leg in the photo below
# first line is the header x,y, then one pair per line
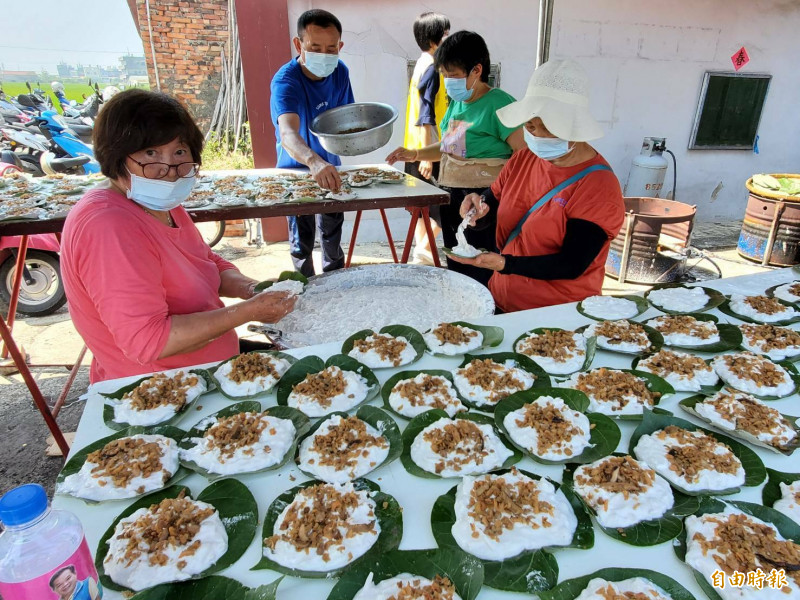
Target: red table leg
x,y
389,234
22,252
415,212
353,237
36,393
426,218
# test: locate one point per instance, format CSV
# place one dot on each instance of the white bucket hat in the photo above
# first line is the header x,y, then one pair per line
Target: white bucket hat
x,y
558,93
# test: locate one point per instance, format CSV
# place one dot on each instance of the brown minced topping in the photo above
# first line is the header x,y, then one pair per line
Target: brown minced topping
x,y
794,289
322,522
499,505
552,429
765,305
619,332
610,593
322,386
173,522
492,377
744,545
559,345
441,588
608,385
342,445
747,365
771,337
434,390
238,431
618,475
749,414
125,459
447,333
665,362
691,452
458,443
252,365
161,389
387,347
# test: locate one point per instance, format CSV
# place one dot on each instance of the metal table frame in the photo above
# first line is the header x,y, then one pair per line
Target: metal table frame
x,y
417,203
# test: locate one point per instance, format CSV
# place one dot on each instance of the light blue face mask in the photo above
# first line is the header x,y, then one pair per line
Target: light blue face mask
x,y
159,194
456,88
546,148
320,64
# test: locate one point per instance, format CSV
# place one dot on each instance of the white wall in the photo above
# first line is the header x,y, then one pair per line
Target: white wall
x,y
646,61
378,40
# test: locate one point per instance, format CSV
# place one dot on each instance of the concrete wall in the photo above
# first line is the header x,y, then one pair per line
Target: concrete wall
x,y
647,61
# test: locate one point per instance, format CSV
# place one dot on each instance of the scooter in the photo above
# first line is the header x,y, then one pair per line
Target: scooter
x,y
66,152
42,288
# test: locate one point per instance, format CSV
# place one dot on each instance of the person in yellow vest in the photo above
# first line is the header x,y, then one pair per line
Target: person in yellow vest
x,y
427,103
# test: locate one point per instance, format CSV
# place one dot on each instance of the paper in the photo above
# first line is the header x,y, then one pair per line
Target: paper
x,y
740,58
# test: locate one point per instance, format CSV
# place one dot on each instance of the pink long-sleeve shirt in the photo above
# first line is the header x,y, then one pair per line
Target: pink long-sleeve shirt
x,y
126,274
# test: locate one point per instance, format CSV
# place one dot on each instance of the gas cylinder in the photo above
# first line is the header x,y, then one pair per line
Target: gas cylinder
x,y
646,178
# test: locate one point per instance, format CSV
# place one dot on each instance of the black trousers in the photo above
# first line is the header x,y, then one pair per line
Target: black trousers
x,y
301,241
448,218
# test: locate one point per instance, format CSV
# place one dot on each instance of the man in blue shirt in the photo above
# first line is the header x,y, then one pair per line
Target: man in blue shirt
x,y
303,88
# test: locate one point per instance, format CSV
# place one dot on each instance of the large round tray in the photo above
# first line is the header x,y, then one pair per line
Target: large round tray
x,y
338,304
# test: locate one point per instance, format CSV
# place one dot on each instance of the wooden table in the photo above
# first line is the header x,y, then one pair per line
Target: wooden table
x,y
410,193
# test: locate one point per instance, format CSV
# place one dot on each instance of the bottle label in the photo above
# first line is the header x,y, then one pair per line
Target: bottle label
x,y
74,579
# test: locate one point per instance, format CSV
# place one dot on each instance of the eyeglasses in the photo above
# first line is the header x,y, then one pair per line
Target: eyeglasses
x,y
159,170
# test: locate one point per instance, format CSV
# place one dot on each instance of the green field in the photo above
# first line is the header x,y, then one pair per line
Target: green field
x,y
74,91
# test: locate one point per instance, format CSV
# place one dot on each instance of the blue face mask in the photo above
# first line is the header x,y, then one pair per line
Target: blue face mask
x,y
320,64
456,88
546,148
159,194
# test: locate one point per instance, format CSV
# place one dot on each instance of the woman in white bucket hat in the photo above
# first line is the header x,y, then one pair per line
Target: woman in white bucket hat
x,y
556,205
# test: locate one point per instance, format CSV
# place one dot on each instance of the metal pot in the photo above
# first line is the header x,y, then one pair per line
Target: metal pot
x,y
373,121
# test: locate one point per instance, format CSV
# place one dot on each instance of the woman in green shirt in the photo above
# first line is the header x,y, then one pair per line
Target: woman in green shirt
x,y
475,144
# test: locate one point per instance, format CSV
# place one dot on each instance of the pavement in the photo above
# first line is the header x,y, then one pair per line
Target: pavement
x,y
53,340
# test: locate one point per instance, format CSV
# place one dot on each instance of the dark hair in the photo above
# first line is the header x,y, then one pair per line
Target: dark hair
x,y
318,17
429,29
134,120
58,574
463,50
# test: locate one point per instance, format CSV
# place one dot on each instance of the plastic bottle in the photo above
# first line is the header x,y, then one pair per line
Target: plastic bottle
x,y
43,552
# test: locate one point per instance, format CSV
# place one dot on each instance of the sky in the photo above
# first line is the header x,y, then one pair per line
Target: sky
x,y
37,34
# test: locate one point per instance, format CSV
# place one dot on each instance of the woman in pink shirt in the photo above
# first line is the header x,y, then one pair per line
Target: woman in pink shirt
x,y
143,287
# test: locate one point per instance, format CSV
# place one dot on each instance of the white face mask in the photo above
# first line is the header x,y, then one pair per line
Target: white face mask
x,y
158,194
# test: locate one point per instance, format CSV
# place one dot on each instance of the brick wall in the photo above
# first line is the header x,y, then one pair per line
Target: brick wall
x,y
188,36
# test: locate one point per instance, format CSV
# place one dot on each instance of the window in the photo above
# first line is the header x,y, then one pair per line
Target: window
x,y
729,111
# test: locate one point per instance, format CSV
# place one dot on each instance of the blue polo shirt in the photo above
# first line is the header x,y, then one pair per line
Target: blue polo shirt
x,y
293,92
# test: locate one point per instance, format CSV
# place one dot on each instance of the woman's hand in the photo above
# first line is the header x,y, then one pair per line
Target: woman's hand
x,y
426,168
402,155
473,201
271,307
486,260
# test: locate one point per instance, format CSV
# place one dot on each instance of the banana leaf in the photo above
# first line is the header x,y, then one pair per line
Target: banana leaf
x,y
729,336
298,419
464,571
420,422
591,348
645,533
387,511
726,308
211,375
540,378
754,469
572,588
787,365
654,337
371,415
386,390
294,275
530,571
604,435
210,588
771,492
641,307
237,509
492,337
413,336
715,298
77,460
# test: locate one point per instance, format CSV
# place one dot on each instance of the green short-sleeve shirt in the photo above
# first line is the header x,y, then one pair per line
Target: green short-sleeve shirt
x,y
472,130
